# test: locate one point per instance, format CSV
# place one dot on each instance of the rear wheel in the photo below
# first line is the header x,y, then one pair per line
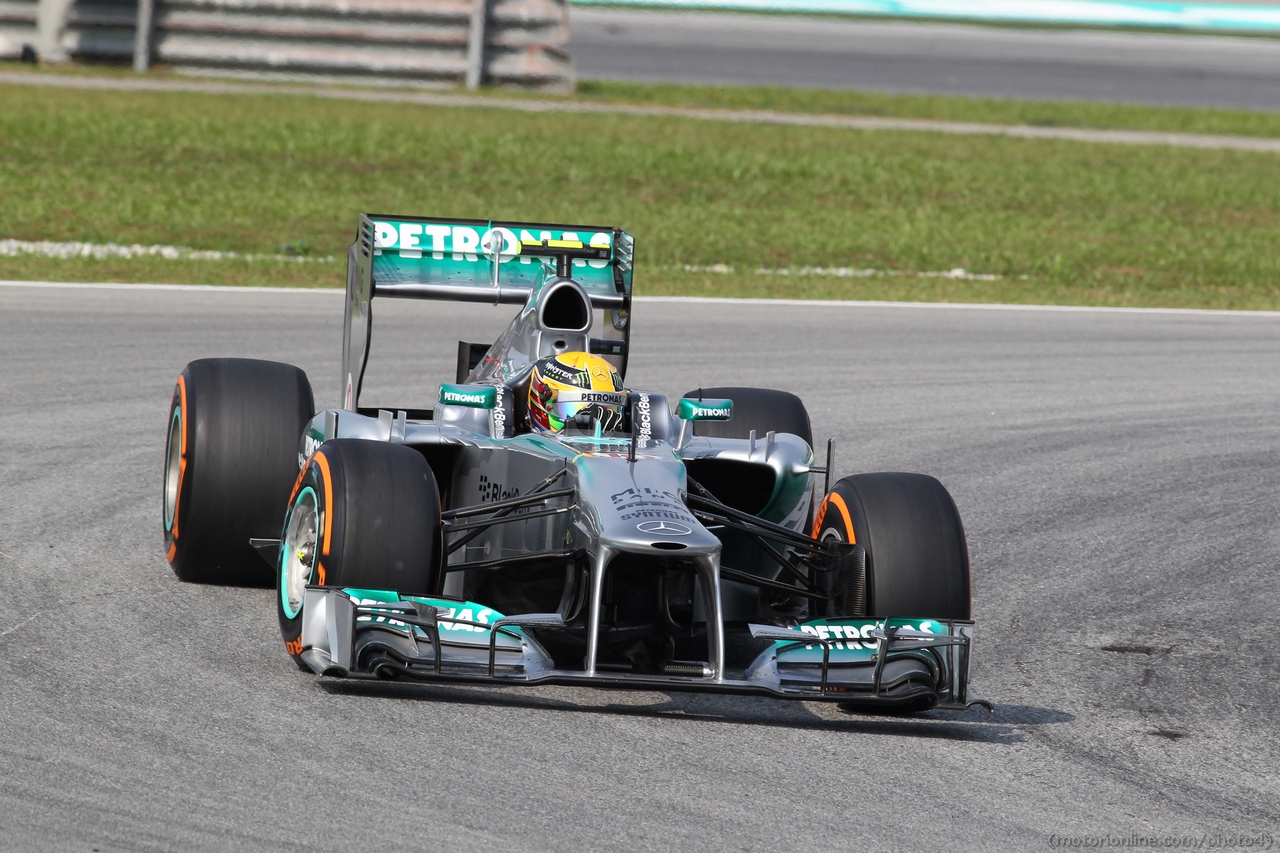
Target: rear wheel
x,y
760,409
917,559
363,514
230,458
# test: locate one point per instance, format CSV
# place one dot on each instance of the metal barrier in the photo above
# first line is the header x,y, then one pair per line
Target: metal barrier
x,y
17,28
388,42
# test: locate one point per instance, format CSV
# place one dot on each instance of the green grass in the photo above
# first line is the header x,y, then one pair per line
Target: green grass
x,y
1085,224
1081,114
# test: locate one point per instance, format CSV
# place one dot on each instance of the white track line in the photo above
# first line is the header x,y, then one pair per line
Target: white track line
x,y
13,248
207,288
1115,137
975,306
709,300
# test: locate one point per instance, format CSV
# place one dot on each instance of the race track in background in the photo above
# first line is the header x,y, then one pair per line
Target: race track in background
x,y
653,46
1117,476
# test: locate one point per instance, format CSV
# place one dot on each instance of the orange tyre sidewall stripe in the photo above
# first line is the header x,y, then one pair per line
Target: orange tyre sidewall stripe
x,y
835,498
323,464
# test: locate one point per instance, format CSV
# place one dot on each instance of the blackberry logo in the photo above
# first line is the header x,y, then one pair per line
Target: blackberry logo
x,y
500,421
644,422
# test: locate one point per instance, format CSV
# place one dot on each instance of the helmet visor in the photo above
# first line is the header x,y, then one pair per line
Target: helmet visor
x,y
586,408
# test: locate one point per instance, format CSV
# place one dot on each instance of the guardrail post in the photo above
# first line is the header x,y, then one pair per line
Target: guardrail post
x,y
51,23
475,43
142,36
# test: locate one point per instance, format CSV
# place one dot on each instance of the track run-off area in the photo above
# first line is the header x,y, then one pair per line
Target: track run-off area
x,y
735,116
1116,472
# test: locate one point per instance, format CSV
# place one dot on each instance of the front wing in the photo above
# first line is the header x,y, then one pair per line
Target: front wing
x,y
864,662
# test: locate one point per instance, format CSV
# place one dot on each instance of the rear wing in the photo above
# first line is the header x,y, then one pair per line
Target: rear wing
x,y
473,260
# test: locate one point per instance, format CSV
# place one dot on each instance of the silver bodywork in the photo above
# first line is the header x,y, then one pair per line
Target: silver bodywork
x,y
616,504
616,498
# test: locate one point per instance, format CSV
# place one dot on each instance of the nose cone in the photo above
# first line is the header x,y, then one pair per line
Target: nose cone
x,y
639,506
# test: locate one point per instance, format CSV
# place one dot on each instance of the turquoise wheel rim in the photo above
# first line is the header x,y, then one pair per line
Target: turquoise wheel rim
x,y
298,551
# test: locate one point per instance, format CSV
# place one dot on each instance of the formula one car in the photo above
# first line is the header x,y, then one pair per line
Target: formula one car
x,y
544,524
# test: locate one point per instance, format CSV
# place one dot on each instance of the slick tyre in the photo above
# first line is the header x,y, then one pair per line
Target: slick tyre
x,y
230,457
363,514
759,409
917,558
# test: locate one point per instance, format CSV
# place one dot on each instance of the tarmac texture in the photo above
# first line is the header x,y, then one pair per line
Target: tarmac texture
x,y
925,57
1117,476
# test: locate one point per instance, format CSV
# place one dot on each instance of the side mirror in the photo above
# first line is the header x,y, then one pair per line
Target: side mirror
x,y
471,396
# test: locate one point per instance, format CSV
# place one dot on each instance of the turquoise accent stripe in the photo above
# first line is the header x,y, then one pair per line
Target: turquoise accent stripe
x,y
289,612
1128,13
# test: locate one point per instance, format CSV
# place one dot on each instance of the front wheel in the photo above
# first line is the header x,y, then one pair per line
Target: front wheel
x,y
917,556
363,514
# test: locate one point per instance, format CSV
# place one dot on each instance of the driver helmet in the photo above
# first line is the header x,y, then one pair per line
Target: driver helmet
x,y
574,387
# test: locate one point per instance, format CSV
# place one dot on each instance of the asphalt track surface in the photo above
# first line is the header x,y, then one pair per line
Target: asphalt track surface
x,y
923,57
1116,471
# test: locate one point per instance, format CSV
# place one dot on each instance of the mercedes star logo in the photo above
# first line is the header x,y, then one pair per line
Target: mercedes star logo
x,y
664,528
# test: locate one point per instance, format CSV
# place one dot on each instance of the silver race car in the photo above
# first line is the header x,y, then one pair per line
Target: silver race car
x,y
546,524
